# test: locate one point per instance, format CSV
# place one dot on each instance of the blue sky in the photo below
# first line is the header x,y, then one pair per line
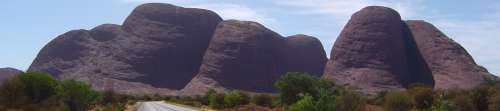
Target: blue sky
x,y
27,25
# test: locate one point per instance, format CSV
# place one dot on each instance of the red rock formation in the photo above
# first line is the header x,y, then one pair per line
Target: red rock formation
x,y
242,55
369,54
451,65
304,54
158,48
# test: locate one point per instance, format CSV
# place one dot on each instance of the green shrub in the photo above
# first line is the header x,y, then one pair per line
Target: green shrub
x,y
423,97
205,99
294,85
441,102
398,101
349,101
78,95
38,86
245,97
12,94
326,101
215,100
264,100
305,104
233,99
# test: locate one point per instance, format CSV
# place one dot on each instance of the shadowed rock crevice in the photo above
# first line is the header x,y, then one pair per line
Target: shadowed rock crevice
x,y
451,65
419,72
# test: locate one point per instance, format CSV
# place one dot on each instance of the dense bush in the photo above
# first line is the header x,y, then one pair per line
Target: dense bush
x,y
305,104
34,91
233,99
326,101
38,86
78,95
398,101
12,94
294,85
30,91
423,97
215,100
349,101
441,101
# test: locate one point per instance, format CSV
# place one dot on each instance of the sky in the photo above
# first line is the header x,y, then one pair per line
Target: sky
x,y
27,25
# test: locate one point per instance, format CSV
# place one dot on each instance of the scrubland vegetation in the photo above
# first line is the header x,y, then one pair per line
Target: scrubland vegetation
x,y
34,91
295,92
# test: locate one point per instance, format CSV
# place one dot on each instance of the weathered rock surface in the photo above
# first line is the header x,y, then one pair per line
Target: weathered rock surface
x,y
370,52
242,55
6,73
304,54
451,65
162,48
159,48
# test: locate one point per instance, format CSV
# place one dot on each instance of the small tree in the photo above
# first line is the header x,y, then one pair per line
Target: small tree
x,y
294,85
326,101
398,101
38,86
349,101
423,97
78,95
305,104
216,100
441,102
12,93
233,99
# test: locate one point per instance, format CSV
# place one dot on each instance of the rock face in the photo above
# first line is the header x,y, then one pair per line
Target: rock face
x,y
6,73
377,51
162,48
242,55
304,54
159,48
247,56
451,65
370,53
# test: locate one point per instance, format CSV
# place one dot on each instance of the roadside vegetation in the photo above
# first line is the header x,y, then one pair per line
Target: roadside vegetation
x,y
34,91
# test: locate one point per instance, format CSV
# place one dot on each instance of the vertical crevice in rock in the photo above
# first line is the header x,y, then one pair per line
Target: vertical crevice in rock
x,y
419,71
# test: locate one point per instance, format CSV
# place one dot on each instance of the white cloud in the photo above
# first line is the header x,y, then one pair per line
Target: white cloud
x,y
479,37
345,8
225,10
239,12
